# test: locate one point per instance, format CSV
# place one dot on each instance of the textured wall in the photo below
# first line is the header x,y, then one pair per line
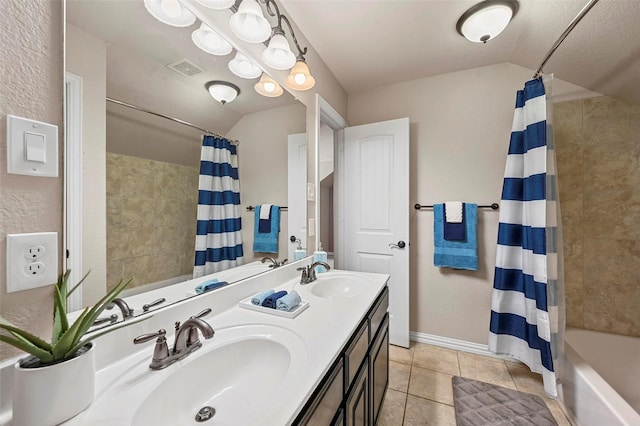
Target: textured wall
x,y
598,150
31,85
151,219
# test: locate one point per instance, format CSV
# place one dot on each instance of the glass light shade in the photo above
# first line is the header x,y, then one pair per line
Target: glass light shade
x,y
241,66
300,77
170,12
486,20
278,54
222,91
249,24
217,4
268,87
210,41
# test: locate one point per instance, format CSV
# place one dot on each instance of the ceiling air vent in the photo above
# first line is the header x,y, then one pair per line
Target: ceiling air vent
x,y
185,67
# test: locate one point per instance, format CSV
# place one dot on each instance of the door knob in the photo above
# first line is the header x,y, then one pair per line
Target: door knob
x,y
401,244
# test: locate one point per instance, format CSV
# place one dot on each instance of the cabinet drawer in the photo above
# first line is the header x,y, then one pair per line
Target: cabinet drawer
x,y
354,354
377,313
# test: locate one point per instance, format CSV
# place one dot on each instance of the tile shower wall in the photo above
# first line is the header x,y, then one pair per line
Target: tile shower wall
x,y
151,219
598,153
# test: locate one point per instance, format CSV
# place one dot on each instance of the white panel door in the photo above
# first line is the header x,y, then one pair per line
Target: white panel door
x,y
297,201
376,211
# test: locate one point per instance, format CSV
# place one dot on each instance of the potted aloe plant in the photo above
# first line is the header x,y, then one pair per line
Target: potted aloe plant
x,y
56,381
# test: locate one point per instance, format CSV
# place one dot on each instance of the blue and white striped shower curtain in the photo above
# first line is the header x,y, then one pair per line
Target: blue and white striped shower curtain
x,y
527,306
219,227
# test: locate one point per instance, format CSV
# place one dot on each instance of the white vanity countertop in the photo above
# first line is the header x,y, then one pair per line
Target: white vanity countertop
x,y
319,333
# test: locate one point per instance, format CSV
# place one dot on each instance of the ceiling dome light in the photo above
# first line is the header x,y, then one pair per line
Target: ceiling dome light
x,y
248,23
486,20
300,77
170,12
243,67
222,91
268,87
210,41
217,4
278,54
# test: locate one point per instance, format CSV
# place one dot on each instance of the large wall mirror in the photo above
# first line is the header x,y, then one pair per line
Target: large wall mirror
x,y
139,171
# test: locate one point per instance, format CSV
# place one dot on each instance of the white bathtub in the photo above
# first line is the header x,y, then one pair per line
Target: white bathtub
x,y
600,376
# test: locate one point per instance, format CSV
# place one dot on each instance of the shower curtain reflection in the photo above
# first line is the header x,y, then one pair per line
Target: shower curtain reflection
x,y
219,225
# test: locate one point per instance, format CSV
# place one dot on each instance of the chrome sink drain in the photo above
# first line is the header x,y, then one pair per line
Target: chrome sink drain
x,y
205,413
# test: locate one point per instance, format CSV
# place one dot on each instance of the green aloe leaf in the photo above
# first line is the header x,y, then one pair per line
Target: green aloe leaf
x,y
60,321
101,305
27,337
69,339
39,353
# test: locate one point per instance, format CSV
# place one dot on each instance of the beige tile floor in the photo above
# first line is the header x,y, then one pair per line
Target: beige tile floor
x,y
420,391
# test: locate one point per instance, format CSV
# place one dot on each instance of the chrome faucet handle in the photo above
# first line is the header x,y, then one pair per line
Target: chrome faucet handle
x,y
160,351
110,319
146,307
304,278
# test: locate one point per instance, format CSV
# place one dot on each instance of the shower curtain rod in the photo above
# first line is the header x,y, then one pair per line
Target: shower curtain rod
x,y
177,120
564,35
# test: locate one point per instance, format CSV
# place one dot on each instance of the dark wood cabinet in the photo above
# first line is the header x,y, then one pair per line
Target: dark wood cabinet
x,y
352,392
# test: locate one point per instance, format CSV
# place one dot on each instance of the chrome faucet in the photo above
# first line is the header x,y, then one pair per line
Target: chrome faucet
x,y
127,312
309,272
274,262
186,341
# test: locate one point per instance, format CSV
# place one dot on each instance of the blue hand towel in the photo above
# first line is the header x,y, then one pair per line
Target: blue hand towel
x,y
456,254
264,225
270,301
209,285
288,302
259,298
454,231
266,242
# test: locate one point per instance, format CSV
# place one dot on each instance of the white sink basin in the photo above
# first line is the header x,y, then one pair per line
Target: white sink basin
x,y
244,373
339,285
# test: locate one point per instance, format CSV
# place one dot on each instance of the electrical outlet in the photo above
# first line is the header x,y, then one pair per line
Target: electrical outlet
x,y
34,268
32,260
34,252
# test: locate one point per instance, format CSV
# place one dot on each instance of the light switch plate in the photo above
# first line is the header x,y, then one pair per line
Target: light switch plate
x,y
32,260
32,147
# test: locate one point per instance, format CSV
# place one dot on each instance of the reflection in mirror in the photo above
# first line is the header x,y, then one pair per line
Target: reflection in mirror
x,y
140,171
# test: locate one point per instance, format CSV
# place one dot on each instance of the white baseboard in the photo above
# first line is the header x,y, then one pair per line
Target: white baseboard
x,y
455,344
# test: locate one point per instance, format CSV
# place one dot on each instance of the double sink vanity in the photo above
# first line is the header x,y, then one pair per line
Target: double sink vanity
x,y
327,365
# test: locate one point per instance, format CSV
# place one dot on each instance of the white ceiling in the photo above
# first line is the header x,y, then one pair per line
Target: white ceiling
x,y
371,43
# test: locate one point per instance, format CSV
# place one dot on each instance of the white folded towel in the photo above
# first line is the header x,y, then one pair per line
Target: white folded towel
x,y
453,210
265,211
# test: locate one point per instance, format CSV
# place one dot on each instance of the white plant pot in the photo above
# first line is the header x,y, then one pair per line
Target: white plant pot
x,y
50,395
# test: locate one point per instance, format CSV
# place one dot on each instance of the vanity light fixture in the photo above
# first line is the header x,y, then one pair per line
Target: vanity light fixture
x,y
241,66
268,87
486,20
249,24
217,4
170,12
300,77
210,41
278,54
222,91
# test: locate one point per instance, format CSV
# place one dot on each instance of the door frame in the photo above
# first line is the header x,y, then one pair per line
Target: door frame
x,y
326,114
72,206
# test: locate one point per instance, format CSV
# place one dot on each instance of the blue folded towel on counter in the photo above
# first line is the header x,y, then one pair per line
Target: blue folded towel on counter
x,y
209,285
455,231
270,301
289,301
456,254
266,242
259,298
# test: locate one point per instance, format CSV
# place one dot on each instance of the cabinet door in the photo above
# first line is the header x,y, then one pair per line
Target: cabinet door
x,y
324,405
379,368
357,403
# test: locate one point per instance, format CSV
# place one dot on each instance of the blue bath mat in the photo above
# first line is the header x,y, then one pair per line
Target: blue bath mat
x,y
483,404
